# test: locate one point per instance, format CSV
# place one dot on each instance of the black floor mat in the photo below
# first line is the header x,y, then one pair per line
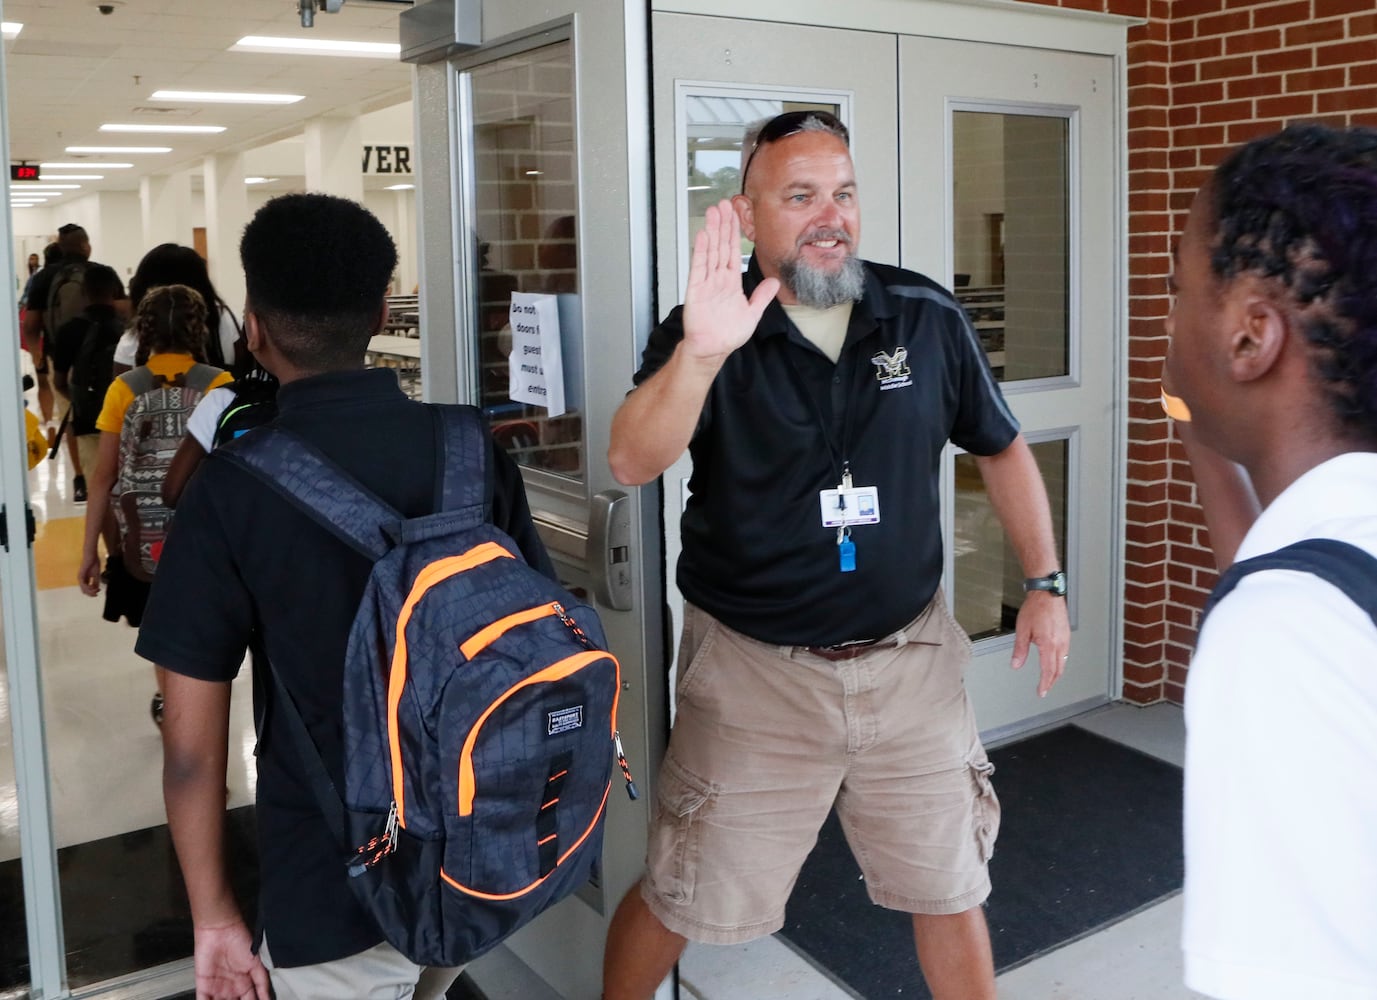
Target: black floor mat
x,y
1091,832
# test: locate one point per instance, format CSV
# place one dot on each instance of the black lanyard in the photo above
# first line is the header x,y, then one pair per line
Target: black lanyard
x,y
841,463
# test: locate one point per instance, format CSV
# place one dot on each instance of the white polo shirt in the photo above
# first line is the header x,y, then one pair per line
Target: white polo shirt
x,y
1281,766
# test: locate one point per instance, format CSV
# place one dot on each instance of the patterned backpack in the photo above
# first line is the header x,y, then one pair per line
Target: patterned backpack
x,y
154,426
480,707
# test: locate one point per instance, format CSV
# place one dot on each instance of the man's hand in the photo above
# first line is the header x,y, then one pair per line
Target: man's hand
x,y
226,967
1042,621
717,316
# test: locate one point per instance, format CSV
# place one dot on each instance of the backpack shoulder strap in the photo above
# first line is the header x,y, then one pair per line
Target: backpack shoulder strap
x,y
1346,566
139,380
463,476
316,486
199,377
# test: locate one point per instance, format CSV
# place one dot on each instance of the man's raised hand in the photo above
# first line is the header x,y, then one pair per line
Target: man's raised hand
x,y
718,318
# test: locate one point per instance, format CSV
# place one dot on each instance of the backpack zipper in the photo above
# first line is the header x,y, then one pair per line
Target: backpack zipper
x,y
554,672
396,682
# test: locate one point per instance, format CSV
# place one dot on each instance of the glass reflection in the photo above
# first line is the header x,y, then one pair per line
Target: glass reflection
x,y
989,580
526,198
1011,223
715,128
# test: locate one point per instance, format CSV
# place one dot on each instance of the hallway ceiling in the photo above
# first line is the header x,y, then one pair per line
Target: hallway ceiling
x,y
73,68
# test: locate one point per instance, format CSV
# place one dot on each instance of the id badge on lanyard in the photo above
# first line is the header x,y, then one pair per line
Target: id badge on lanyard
x,y
845,506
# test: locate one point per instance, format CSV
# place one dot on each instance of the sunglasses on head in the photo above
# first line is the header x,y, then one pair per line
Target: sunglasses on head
x,y
792,123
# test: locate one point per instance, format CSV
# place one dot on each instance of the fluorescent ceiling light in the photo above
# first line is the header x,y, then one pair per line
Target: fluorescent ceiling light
x,y
259,180
169,129
31,197
85,166
10,29
400,187
224,97
29,186
69,177
317,47
119,149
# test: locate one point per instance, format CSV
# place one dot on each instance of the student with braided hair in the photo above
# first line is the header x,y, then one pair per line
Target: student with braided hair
x,y
171,328
1273,347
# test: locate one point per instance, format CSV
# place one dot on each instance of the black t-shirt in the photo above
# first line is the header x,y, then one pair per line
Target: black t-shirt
x,y
242,560
67,346
41,287
779,422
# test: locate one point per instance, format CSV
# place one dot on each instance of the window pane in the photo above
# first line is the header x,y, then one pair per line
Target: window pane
x,y
716,126
526,197
988,590
1010,197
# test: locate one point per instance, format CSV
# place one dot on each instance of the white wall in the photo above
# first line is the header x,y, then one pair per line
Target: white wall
x,y
112,219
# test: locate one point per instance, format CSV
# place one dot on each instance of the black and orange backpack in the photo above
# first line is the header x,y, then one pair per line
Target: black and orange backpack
x,y
480,708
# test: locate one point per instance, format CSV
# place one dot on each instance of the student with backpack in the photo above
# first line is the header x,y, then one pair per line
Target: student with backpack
x,y
1272,347
82,359
172,264
56,296
141,422
223,415
251,562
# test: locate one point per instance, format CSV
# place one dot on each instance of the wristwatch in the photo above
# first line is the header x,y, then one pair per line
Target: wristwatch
x,y
1054,584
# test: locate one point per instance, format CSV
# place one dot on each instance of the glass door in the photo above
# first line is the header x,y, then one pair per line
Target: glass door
x,y
1015,208
534,217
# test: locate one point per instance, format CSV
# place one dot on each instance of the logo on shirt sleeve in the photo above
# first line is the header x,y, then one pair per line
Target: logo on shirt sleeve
x,y
892,370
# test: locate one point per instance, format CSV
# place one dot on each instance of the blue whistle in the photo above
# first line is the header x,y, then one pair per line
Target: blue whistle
x,y
846,553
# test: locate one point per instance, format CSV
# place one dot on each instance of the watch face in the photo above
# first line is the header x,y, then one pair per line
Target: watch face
x,y
1055,584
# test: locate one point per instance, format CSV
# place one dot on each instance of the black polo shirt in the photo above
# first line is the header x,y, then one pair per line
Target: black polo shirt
x,y
779,422
241,559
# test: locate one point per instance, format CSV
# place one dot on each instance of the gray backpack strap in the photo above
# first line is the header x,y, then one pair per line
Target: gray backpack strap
x,y
317,487
140,380
199,377
464,475
1346,566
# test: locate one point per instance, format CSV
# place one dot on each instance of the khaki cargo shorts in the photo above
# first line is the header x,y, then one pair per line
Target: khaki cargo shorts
x,y
769,738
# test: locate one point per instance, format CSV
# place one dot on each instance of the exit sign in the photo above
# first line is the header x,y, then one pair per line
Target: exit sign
x,y
23,172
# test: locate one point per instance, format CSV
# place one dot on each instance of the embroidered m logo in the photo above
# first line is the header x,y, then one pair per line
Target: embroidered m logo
x,y
891,366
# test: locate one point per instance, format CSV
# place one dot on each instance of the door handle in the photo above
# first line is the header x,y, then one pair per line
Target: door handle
x,y
609,549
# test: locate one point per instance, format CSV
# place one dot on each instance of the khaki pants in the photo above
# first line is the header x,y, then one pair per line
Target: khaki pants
x,y
769,738
380,973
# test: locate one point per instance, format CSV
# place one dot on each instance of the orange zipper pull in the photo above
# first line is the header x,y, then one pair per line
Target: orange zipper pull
x,y
626,768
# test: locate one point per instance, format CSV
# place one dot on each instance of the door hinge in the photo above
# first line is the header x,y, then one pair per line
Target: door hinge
x,y
30,526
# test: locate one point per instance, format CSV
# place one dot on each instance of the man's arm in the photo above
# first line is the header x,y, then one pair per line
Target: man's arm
x,y
1019,499
195,753
656,422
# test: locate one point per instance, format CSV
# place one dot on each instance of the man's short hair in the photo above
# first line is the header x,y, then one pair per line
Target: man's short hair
x,y
73,240
317,268
770,130
52,253
101,282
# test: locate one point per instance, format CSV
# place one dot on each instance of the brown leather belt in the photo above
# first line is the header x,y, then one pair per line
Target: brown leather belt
x,y
851,650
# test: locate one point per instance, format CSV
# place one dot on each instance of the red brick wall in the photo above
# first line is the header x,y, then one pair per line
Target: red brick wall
x,y
1203,75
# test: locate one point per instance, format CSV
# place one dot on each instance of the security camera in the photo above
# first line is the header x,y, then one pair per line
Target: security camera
x,y
105,8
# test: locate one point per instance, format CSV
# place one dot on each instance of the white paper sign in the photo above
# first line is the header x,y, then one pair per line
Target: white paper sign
x,y
536,367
